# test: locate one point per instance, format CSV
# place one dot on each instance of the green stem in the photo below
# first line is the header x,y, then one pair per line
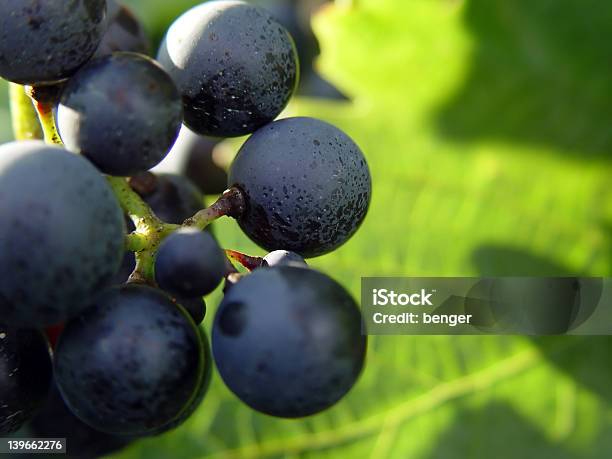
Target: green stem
x,y
136,242
43,99
23,115
132,204
47,121
150,230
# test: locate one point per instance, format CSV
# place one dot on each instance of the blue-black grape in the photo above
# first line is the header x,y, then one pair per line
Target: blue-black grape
x,y
123,32
236,67
284,258
192,155
45,41
287,341
173,198
307,186
122,112
189,263
130,363
55,420
62,233
25,376
196,306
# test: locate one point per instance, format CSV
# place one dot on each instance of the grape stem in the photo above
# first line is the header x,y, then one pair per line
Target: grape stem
x,y
150,230
248,261
230,204
23,115
43,98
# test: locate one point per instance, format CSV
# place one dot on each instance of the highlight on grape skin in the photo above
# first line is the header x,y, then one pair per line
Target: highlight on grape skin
x,y
128,100
236,67
61,237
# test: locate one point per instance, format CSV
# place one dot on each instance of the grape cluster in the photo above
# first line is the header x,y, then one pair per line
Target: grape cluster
x,y
117,259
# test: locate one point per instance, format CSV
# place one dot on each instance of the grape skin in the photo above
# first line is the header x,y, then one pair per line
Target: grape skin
x,y
130,363
123,32
25,376
122,112
200,393
285,258
236,67
174,199
195,307
287,341
46,41
307,186
189,263
61,237
55,420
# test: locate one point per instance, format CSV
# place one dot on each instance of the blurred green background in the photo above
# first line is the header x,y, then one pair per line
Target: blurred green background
x,y
487,125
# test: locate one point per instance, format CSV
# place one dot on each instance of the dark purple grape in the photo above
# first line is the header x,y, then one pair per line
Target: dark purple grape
x,y
235,66
307,186
122,112
196,307
295,16
287,341
189,263
55,420
123,32
25,376
173,198
200,393
130,363
61,237
46,41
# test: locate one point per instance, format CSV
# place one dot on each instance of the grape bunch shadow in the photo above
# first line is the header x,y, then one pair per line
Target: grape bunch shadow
x,y
512,436
539,77
586,359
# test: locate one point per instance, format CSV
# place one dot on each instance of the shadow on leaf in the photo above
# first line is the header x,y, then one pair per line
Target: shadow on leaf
x,y
504,434
497,260
540,75
587,360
